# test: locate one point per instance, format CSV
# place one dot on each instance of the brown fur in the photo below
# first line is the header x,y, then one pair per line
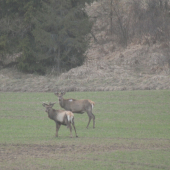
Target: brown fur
x,y
77,106
91,102
60,117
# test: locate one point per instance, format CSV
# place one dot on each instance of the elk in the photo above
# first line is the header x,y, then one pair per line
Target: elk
x,y
77,106
61,117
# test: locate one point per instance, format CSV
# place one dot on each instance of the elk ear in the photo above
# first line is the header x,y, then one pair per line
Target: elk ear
x,y
63,93
51,104
56,93
44,104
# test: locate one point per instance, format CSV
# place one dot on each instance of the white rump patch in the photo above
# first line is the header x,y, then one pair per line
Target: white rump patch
x,y
69,118
92,106
70,100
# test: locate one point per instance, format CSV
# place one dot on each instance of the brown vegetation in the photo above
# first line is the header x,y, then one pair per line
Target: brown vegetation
x,y
129,50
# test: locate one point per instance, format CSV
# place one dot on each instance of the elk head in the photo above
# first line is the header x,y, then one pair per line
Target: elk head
x,y
60,95
48,106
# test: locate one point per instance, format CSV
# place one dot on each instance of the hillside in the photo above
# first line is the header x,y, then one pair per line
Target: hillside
x,y
135,68
141,65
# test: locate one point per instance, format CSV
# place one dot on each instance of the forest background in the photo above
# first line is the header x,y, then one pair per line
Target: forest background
x,y
92,45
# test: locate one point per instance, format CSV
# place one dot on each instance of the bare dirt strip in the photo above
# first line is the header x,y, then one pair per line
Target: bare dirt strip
x,y
13,151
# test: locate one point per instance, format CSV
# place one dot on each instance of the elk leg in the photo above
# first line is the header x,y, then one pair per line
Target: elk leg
x,y
74,127
88,122
93,120
70,130
57,129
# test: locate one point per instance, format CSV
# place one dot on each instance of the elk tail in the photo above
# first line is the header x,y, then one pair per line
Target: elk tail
x,y
92,103
70,117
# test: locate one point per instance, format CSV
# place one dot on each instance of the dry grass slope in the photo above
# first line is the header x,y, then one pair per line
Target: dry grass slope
x,y
136,68
108,67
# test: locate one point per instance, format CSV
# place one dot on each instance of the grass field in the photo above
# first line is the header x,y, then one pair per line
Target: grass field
x,y
132,132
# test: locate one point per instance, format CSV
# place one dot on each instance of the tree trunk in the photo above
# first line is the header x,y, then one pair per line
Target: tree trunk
x,y
58,61
111,17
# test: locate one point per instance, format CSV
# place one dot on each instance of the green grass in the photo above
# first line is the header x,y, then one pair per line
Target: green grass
x,y
132,132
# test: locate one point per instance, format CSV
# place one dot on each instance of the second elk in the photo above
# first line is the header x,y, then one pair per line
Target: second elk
x,y
61,117
77,106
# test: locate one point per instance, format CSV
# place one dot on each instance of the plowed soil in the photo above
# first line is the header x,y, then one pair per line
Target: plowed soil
x,y
9,152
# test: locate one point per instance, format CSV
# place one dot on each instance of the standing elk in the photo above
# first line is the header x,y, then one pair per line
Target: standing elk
x,y
77,106
61,117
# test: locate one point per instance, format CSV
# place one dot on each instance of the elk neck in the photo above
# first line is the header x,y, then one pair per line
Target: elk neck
x,y
61,102
51,113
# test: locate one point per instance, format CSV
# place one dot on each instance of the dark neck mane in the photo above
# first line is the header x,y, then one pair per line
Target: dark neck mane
x,y
51,113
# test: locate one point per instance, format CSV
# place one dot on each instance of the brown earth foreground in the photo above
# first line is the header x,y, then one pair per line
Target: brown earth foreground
x,y
12,153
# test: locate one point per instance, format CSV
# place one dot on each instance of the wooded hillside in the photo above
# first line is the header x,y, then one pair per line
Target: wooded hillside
x,y
125,46
45,33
